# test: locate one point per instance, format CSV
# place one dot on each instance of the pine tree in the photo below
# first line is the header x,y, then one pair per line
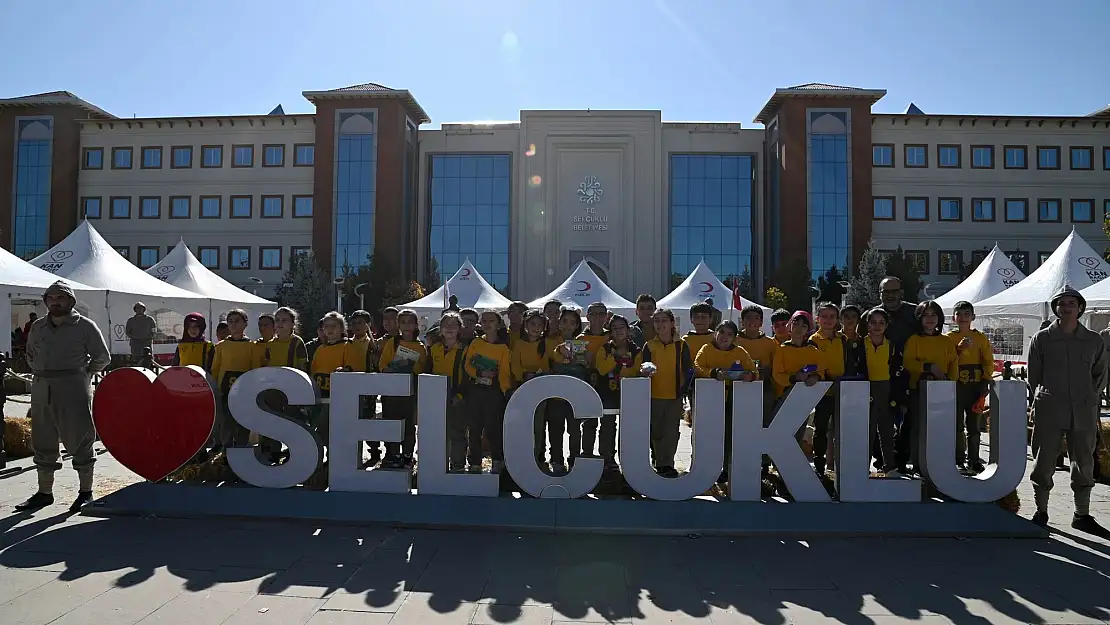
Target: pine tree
x,y
431,280
305,287
864,291
794,279
829,285
746,284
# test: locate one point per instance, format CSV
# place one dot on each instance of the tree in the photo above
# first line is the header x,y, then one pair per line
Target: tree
x,y
746,284
795,281
775,298
398,292
431,280
676,280
1106,233
829,285
864,291
900,266
305,287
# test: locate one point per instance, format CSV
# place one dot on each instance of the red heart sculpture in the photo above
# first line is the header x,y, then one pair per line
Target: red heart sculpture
x,y
154,425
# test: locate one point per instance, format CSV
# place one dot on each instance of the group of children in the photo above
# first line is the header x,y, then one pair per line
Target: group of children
x,y
486,355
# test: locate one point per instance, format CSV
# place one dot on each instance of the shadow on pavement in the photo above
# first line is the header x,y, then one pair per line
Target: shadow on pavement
x,y
585,577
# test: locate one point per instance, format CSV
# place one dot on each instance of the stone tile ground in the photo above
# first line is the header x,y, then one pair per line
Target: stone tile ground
x,y
60,568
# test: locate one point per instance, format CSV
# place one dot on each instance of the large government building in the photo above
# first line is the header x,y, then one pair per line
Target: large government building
x,y
640,198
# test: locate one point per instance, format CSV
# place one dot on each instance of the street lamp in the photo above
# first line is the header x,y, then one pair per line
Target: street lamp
x,y
257,281
844,285
813,300
338,282
361,295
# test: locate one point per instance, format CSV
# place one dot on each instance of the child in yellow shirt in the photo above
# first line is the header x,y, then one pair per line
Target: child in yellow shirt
x,y
233,357
929,355
723,360
562,362
797,359
975,363
403,353
877,361
194,349
833,347
529,358
615,362
446,357
283,349
487,364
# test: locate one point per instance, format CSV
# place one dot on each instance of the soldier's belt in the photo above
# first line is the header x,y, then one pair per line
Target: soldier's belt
x,y
58,373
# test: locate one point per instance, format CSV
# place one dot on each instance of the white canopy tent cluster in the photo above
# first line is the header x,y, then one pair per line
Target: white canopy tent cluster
x,y
108,286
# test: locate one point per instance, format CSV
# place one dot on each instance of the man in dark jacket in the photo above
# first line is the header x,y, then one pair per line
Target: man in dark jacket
x,y
902,326
1067,371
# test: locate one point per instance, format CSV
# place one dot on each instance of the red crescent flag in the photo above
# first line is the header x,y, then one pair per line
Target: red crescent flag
x,y
737,301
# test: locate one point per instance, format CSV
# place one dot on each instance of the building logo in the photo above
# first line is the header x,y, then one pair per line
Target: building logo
x,y
707,287
590,191
586,286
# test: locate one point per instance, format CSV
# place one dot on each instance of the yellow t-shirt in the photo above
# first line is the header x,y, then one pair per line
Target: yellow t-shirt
x,y
328,358
481,349
976,362
936,349
711,359
199,353
790,359
233,358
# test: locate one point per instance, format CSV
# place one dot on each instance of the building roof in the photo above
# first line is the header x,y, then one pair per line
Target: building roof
x,y
815,90
1102,112
277,110
372,90
913,110
56,98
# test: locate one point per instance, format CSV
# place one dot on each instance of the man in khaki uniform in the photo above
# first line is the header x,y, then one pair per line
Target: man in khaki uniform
x,y
140,331
1067,371
63,349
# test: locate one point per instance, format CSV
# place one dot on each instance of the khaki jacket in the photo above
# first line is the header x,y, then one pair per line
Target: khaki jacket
x,y
75,343
1067,373
140,328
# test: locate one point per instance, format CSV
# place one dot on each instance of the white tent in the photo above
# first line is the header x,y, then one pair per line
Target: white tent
x,y
21,288
703,284
469,288
583,288
995,274
84,256
1011,317
181,269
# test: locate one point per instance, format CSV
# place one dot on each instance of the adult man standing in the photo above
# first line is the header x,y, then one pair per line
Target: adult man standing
x,y
63,350
1067,370
902,325
140,331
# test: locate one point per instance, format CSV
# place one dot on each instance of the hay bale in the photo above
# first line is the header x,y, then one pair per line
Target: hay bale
x,y
1011,502
17,437
1104,452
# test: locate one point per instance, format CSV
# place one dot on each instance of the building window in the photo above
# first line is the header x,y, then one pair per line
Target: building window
x,y
1106,158
470,214
982,209
121,208
829,200
181,157
1048,210
917,209
209,257
1017,210
241,206
242,156
982,157
950,263
238,258
273,205
1082,158
1083,211
919,259
212,156
30,200
299,251
883,208
180,207
1015,157
950,209
882,155
121,158
90,207
152,157
978,256
150,207
948,156
916,156
1042,257
1020,260
356,171
270,257
93,158
148,256
210,207
273,155
1048,157
123,251
302,206
304,154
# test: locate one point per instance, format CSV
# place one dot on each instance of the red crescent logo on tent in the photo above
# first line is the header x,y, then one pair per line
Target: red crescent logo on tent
x,y
585,288
708,287
465,273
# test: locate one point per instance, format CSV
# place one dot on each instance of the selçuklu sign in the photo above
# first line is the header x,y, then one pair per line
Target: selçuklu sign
x,y
750,440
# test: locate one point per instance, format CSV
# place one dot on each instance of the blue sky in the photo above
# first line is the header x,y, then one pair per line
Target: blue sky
x,y
487,59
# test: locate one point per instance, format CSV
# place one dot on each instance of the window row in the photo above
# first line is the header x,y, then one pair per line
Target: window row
x,y
950,156
1049,210
238,256
208,206
211,156
954,262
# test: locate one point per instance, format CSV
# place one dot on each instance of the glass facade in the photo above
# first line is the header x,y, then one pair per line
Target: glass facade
x,y
31,209
711,213
470,215
829,192
355,185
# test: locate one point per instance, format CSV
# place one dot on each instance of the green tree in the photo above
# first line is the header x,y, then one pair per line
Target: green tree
x,y
676,280
829,285
431,280
900,266
306,288
775,298
1106,233
794,280
746,284
864,291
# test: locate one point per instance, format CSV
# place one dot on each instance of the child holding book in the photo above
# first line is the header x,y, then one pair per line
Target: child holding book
x,y
403,353
595,337
929,355
446,357
529,358
724,360
487,364
567,357
669,364
615,361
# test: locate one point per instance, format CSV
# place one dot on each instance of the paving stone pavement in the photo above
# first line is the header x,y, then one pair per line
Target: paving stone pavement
x,y
65,569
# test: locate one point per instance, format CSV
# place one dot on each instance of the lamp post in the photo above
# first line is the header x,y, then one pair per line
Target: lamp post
x,y
816,292
338,282
361,295
257,281
844,285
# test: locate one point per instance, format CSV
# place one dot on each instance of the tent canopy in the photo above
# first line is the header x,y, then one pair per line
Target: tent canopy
x,y
583,288
181,269
1074,263
468,287
17,275
703,284
995,274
